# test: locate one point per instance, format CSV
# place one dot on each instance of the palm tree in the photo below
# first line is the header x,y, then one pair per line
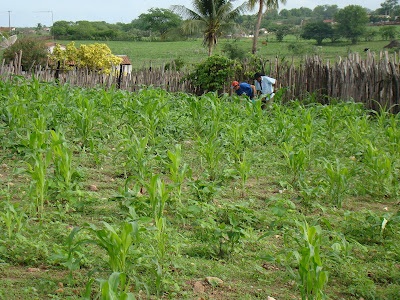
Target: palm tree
x,y
268,4
211,17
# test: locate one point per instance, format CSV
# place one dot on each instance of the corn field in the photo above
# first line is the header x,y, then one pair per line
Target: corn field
x,y
371,79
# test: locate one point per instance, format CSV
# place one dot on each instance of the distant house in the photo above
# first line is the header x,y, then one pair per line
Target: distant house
x,y
125,64
50,47
7,29
329,21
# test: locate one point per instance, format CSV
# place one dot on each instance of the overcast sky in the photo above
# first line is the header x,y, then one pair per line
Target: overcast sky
x,y
28,13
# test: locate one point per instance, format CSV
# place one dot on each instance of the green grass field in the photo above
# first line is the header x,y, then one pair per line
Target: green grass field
x,y
192,51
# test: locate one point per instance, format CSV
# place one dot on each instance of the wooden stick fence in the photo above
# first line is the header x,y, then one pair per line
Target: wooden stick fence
x,y
372,80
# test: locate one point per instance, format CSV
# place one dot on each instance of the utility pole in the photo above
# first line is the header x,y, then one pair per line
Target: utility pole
x,y
9,21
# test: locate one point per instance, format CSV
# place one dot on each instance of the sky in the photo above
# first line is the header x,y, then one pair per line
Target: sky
x,y
29,13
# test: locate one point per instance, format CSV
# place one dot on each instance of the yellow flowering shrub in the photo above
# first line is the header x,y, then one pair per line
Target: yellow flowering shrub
x,y
96,57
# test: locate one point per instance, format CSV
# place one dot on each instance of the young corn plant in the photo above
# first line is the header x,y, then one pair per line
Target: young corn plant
x,y
358,129
117,243
137,159
337,176
37,169
296,160
177,170
392,132
39,158
83,115
152,114
380,169
236,133
331,120
197,112
210,149
13,218
311,276
16,113
62,159
305,126
158,196
243,167
283,126
115,288
69,254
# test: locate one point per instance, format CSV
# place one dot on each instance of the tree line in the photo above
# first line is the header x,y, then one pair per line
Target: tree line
x,y
170,24
213,19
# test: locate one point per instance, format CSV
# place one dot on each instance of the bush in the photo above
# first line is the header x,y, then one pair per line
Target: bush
x,y
233,51
214,73
176,64
34,52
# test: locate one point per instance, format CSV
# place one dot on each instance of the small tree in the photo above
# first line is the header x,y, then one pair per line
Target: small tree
x,y
159,20
352,21
34,52
281,32
388,32
96,57
214,73
233,51
317,31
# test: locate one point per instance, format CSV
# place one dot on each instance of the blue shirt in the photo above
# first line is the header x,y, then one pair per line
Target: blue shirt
x,y
245,88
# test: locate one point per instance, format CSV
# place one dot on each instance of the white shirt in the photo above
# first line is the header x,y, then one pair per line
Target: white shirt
x,y
266,87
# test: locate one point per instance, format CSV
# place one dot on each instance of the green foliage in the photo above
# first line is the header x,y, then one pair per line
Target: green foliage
x,y
178,170
115,288
117,243
176,64
13,218
233,51
312,277
34,52
337,178
352,22
317,31
388,32
296,160
211,18
158,20
214,73
297,49
281,32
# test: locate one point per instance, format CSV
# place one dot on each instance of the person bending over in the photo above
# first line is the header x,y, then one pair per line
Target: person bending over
x,y
243,88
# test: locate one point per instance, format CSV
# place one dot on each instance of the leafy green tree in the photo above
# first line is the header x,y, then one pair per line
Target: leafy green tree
x,y
325,12
267,4
317,31
388,32
34,52
285,13
388,7
211,17
370,35
39,27
214,73
281,31
159,20
233,51
246,22
352,22
59,29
